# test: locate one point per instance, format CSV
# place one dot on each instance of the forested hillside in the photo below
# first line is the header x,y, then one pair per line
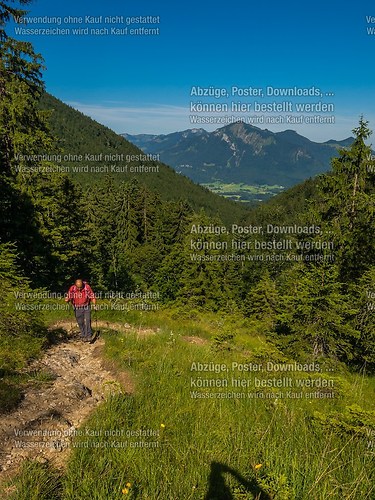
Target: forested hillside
x,y
77,134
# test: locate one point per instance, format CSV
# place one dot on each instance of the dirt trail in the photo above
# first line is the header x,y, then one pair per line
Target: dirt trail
x,y
42,425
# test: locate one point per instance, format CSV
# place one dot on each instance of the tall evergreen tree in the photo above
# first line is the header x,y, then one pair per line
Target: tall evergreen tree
x,y
316,316
22,125
364,298
348,209
262,301
23,132
206,279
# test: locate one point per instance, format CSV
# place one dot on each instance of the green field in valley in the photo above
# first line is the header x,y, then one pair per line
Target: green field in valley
x,y
244,193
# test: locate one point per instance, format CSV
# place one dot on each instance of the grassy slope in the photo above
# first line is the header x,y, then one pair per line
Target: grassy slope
x,y
249,446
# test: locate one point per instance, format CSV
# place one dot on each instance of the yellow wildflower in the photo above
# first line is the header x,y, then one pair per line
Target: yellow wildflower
x,y
257,466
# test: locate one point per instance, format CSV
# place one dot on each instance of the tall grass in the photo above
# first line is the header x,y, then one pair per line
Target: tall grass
x,y
249,447
160,443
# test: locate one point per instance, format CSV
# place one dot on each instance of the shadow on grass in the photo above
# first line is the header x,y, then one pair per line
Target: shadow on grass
x,y
61,335
57,336
10,396
218,489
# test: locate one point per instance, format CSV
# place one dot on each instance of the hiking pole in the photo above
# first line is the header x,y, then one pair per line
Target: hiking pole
x,y
96,321
67,304
70,317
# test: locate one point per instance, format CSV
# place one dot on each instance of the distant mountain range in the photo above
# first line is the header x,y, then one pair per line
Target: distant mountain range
x,y
241,153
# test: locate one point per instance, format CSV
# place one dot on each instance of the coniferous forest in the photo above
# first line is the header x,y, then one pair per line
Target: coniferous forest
x,y
290,282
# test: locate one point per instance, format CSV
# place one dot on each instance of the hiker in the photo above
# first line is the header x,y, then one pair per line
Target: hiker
x,y
81,295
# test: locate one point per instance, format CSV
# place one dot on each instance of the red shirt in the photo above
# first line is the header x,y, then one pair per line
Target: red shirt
x,y
80,298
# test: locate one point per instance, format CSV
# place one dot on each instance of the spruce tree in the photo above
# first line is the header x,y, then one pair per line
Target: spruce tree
x,y
22,132
316,316
22,125
262,301
363,295
348,207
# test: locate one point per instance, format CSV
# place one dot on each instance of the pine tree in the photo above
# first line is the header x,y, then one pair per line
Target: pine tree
x,y
23,131
102,211
364,298
61,213
207,281
348,210
316,315
22,125
262,301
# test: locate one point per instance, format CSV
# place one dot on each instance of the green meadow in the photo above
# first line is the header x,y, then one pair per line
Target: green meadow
x,y
242,192
170,439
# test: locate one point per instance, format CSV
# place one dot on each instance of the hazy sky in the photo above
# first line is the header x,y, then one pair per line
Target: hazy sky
x,y
142,83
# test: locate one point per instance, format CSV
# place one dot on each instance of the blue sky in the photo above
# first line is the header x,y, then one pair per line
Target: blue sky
x,y
142,84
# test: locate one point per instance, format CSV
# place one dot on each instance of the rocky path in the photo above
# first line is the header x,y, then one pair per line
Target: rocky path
x,y
42,425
